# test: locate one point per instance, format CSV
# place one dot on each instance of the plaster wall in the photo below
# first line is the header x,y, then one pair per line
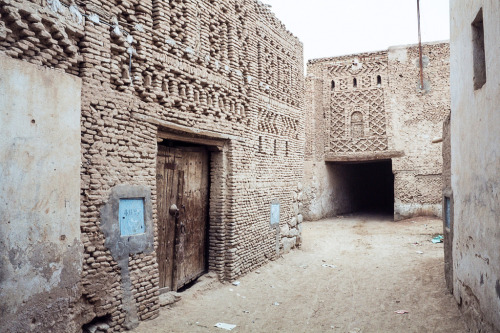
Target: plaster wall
x,y
327,190
475,165
40,249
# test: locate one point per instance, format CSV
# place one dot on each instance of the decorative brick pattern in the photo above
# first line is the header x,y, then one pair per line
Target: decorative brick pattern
x,y
371,103
225,68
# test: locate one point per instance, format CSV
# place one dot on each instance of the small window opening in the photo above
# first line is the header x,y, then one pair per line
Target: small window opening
x,y
286,148
275,147
478,51
261,149
333,85
379,80
354,83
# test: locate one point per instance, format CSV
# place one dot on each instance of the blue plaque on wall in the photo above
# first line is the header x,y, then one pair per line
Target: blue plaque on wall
x,y
131,215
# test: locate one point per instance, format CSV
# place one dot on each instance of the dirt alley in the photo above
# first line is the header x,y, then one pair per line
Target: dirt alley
x,y
377,270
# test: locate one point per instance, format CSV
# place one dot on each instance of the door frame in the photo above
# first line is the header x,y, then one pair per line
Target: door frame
x,y
218,148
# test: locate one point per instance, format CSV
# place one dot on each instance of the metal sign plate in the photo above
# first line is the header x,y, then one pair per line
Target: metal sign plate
x,y
447,212
131,215
275,213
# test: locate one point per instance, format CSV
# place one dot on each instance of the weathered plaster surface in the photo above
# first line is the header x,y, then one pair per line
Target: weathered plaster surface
x,y
327,190
122,247
40,248
475,165
447,193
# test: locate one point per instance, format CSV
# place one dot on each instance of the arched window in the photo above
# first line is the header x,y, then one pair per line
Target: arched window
x,y
333,85
354,83
379,80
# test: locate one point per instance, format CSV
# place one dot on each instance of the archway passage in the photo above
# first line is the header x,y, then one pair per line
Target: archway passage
x,y
365,187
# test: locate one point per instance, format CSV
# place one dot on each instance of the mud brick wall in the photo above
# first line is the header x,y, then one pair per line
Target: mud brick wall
x,y
417,118
344,94
226,68
36,34
351,93
368,105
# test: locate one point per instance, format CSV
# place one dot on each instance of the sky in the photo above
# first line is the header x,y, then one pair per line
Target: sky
x,y
339,27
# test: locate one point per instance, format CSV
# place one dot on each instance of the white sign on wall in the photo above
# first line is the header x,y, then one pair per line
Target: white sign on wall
x,y
275,212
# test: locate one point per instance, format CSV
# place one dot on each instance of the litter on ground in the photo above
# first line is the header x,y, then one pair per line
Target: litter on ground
x,y
401,311
225,326
437,239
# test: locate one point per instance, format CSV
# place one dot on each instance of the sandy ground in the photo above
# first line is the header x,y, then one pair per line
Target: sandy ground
x,y
376,271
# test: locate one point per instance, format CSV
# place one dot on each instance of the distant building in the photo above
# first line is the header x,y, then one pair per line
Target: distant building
x,y
472,195
369,130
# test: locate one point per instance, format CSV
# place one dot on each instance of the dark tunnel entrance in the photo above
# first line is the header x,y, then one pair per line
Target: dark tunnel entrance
x,y
365,187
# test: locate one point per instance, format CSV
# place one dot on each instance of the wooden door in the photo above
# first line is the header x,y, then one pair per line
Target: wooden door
x,y
182,180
